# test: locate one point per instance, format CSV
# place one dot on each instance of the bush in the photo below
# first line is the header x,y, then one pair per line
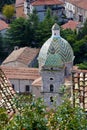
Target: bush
x,y
34,115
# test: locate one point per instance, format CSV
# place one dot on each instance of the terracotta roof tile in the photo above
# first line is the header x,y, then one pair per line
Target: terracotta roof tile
x,y
47,2
83,4
70,25
21,73
3,25
24,55
6,94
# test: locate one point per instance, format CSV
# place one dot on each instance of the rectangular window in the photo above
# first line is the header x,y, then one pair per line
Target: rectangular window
x,y
27,88
80,18
45,6
51,88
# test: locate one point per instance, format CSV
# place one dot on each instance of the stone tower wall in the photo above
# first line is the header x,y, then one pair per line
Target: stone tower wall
x,y
55,78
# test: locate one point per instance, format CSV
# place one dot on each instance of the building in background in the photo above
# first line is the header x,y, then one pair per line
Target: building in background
x,y
76,10
19,7
56,6
22,57
22,78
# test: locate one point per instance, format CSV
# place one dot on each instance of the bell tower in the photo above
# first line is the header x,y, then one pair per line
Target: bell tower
x,y
54,55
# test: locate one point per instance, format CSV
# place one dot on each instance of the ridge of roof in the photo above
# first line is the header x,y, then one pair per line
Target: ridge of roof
x,y
46,2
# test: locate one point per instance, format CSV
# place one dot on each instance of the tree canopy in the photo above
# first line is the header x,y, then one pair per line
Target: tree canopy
x,y
32,114
15,34
8,11
30,32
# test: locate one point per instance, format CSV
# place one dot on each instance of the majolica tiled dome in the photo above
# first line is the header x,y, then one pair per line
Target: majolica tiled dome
x,y
56,51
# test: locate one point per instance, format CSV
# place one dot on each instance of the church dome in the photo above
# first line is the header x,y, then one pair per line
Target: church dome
x,y
56,51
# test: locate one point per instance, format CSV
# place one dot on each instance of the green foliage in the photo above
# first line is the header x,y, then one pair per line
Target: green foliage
x,y
83,65
79,45
8,11
15,34
31,29
80,50
3,118
70,118
69,35
33,115
30,32
82,31
44,28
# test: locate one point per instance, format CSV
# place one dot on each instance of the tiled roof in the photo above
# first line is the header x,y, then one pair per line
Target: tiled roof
x,y
19,2
21,73
79,3
79,78
47,2
6,94
70,25
24,55
3,25
83,4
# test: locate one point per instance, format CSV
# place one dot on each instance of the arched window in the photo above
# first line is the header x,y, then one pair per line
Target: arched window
x,y
51,87
51,78
51,99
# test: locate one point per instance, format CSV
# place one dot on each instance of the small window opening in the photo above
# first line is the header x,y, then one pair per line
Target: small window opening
x,y
51,78
27,88
13,86
65,71
51,99
51,88
51,68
